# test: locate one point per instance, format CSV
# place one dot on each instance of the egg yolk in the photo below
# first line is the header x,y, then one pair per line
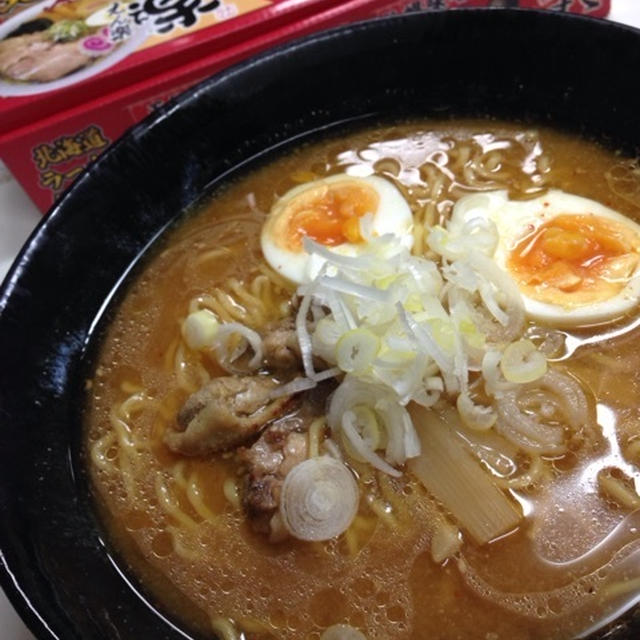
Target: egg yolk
x,y
575,259
329,214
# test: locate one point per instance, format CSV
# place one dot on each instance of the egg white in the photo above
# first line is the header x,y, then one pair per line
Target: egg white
x,y
515,219
392,215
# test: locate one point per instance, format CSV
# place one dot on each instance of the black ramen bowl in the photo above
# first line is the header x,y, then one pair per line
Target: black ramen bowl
x,y
573,73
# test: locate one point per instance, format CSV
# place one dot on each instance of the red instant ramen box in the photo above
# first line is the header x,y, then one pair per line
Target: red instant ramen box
x,y
75,74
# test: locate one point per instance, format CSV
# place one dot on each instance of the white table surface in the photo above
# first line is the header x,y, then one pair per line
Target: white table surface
x,y
19,216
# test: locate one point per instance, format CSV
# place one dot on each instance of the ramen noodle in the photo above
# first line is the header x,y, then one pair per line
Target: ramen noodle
x,y
507,508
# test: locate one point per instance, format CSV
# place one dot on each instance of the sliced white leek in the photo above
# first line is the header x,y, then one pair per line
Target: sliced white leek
x,y
364,420
473,415
199,329
356,350
521,362
247,338
319,499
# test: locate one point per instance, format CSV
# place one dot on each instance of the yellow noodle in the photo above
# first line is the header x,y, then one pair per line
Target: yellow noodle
x,y
615,489
428,172
537,469
236,312
267,281
418,214
169,354
491,163
253,305
437,186
388,165
200,373
460,155
543,163
276,278
419,243
213,304
192,490
470,175
135,403
316,431
332,449
357,535
179,547
263,289
632,452
395,501
122,429
303,175
126,469
365,471
99,452
231,492
158,427
129,387
167,410
383,512
459,191
203,301
181,370
445,540
170,505
213,254
430,217
276,300
188,362
361,523
127,450
420,193
178,475
251,625
434,177
621,588
265,284
351,539
194,494
624,180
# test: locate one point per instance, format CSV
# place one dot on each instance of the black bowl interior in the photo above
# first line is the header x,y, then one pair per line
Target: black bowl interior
x,y
577,74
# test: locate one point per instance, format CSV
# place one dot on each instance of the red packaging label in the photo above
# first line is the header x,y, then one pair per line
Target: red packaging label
x,y
60,160
595,8
47,139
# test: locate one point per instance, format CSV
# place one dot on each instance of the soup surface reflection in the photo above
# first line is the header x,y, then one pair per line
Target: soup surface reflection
x,y
408,565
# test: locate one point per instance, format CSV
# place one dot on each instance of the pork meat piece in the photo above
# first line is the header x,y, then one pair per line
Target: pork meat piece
x,y
225,414
12,50
280,345
281,447
35,58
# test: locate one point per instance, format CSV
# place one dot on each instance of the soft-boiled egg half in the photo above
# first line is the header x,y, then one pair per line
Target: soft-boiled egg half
x,y
575,261
330,212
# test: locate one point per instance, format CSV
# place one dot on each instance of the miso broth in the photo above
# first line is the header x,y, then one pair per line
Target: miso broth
x,y
571,564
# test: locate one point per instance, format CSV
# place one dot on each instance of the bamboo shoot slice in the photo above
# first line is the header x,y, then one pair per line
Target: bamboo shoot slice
x,y
452,476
